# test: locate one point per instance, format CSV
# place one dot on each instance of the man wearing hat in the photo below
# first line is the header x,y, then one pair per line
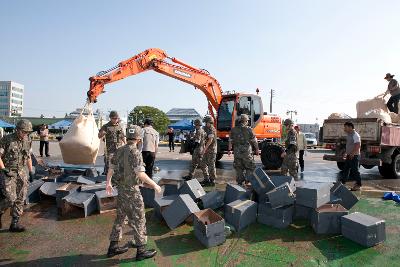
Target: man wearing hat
x,y
127,170
243,140
210,152
199,141
290,163
150,146
114,137
394,90
15,155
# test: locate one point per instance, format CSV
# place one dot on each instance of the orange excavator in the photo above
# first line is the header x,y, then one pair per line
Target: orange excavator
x,y
225,108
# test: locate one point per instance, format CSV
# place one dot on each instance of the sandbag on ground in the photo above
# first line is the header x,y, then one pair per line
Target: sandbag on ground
x,y
80,144
369,105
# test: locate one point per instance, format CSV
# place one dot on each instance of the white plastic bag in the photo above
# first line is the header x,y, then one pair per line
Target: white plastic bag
x,y
80,144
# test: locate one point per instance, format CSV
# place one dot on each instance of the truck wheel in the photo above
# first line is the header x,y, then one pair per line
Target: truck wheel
x,y
368,167
395,168
340,165
385,169
219,156
271,156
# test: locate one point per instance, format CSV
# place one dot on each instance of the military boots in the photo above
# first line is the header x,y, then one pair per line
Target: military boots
x,y
143,253
207,182
15,227
114,249
1,224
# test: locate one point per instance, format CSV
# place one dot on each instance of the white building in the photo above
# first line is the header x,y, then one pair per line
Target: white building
x,y
11,99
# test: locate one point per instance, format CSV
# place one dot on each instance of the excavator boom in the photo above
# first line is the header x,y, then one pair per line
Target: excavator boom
x,y
157,60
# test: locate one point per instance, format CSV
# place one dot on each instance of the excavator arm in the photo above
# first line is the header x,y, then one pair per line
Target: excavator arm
x,y
157,60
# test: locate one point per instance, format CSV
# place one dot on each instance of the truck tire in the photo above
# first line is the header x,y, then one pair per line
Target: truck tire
x,y
271,156
340,165
385,170
219,156
393,169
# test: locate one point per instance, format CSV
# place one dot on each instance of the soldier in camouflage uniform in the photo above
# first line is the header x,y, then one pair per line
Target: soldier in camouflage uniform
x,y
199,139
243,140
15,155
114,137
209,153
290,163
127,169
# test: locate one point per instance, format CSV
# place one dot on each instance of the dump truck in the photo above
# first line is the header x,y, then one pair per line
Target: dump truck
x,y
380,144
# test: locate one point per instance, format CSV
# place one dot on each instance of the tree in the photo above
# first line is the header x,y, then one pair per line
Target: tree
x,y
140,113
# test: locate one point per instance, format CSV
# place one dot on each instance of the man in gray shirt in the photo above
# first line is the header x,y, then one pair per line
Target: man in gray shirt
x,y
352,156
394,91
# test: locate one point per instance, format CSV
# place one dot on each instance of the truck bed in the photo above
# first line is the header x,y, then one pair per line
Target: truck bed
x,y
370,129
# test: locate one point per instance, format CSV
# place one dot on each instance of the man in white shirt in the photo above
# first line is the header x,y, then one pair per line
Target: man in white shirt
x,y
301,146
352,156
150,146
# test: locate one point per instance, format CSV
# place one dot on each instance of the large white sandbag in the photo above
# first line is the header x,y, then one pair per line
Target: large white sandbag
x,y
395,117
378,113
80,144
370,104
339,116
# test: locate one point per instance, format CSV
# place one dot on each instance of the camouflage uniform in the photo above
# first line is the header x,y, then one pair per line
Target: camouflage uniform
x,y
209,157
114,139
13,185
127,162
290,163
199,138
243,138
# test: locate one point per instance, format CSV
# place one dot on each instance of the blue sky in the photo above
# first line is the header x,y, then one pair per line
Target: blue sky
x,y
319,56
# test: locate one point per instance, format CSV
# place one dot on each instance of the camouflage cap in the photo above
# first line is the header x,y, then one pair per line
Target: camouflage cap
x,y
244,118
197,122
134,132
288,122
24,125
113,114
208,119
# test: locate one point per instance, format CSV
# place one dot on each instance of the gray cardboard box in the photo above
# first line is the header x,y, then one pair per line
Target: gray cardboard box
x,y
49,188
327,219
64,191
160,203
348,199
334,199
209,228
241,213
278,218
149,196
234,192
281,196
84,180
33,195
85,201
212,200
260,181
193,188
179,210
302,212
171,185
106,202
93,188
281,179
363,229
313,194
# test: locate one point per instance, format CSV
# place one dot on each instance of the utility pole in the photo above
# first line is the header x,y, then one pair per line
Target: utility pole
x,y
291,112
270,102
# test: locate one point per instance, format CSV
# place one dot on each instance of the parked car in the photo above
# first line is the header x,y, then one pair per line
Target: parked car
x,y
311,140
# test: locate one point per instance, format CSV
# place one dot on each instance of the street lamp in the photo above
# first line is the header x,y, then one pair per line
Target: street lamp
x,y
291,113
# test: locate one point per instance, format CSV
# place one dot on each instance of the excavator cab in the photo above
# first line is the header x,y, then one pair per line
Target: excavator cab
x,y
232,106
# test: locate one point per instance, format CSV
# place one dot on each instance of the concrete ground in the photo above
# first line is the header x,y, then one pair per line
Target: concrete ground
x,y
83,242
